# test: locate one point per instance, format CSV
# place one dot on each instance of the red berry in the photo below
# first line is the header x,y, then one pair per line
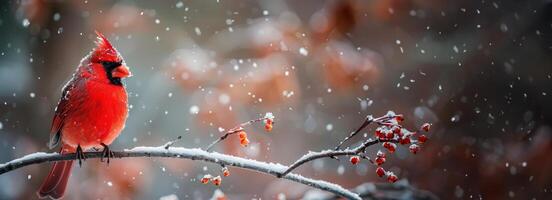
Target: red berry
x,y
380,171
396,130
217,180
426,127
414,148
244,142
399,118
225,172
392,178
382,137
380,154
422,139
206,179
268,127
378,132
380,160
389,135
390,146
405,140
401,132
242,134
355,159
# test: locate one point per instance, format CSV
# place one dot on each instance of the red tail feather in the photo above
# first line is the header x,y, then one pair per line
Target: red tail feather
x,y
56,182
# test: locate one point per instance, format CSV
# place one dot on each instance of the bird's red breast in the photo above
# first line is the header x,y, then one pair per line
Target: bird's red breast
x,y
98,114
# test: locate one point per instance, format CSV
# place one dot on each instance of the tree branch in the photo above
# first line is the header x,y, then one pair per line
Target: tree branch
x,y
186,153
333,153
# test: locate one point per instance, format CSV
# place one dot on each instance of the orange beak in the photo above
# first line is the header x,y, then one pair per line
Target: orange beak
x,y
121,72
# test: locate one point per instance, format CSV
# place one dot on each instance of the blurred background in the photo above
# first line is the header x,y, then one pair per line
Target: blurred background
x,y
480,71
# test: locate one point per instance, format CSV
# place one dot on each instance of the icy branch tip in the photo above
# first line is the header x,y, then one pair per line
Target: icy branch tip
x,y
269,115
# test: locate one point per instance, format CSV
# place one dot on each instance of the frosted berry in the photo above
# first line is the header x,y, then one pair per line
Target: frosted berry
x,y
380,154
378,133
380,171
392,178
390,146
355,159
217,180
389,135
422,139
414,148
206,179
225,172
380,160
399,118
426,127
405,140
396,130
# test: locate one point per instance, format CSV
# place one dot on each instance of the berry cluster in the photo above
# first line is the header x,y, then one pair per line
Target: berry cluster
x,y
391,133
243,138
268,121
217,180
209,178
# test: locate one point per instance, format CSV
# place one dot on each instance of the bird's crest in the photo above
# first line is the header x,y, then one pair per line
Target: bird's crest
x,y
104,51
102,42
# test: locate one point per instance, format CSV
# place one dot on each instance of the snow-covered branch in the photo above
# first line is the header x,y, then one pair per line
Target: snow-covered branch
x,y
389,133
334,153
186,153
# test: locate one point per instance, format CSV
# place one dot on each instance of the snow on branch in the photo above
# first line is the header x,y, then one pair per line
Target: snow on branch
x,y
389,133
186,153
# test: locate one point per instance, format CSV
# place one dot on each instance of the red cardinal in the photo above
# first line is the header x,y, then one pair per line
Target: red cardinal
x,y
91,113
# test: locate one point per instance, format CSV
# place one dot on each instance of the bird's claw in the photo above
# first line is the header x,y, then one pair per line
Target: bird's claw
x,y
106,153
80,155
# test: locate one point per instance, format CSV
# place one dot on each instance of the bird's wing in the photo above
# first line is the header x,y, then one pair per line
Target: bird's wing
x,y
61,112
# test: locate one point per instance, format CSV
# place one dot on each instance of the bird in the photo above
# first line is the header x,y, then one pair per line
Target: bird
x,y
91,113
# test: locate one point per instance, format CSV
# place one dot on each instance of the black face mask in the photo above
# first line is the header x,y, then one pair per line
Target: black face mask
x,y
109,67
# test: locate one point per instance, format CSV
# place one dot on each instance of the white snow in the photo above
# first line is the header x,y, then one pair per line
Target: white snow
x,y
194,110
30,157
26,22
197,31
269,115
179,4
303,51
329,127
169,197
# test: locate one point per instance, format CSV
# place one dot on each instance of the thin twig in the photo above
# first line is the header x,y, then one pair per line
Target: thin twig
x,y
364,124
333,153
170,143
186,153
234,130
383,120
